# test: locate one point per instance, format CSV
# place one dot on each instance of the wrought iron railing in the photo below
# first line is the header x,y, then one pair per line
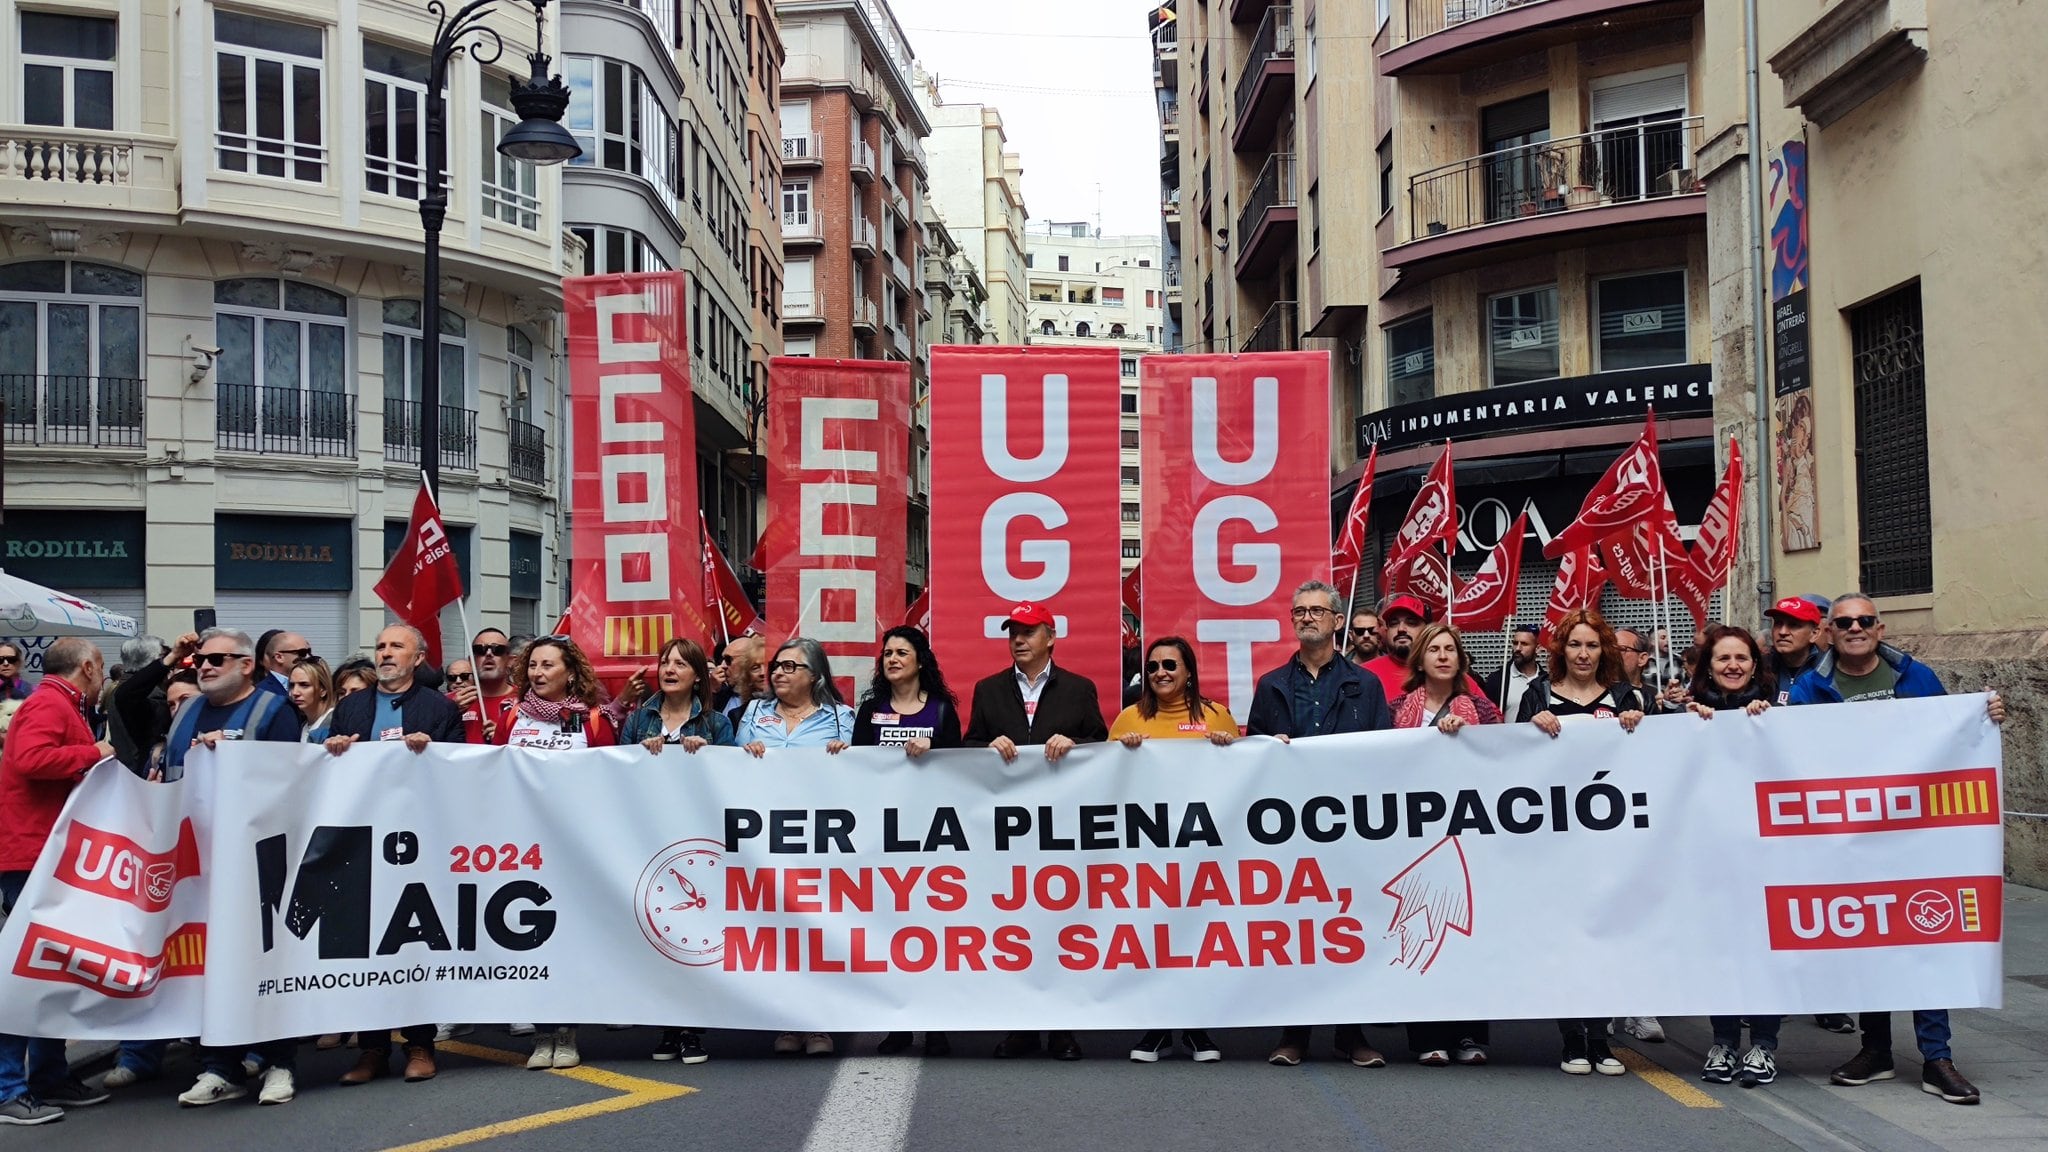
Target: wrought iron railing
x,y
1276,331
1275,40
87,411
527,457
1614,165
1427,16
1273,189
402,434
803,148
289,421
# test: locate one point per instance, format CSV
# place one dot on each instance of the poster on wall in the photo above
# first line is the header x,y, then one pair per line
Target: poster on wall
x,y
1798,480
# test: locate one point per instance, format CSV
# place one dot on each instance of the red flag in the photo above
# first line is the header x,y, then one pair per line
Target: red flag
x,y
1579,580
1426,576
1632,490
708,578
725,598
919,614
1713,554
1350,550
1432,517
1487,601
1134,609
422,577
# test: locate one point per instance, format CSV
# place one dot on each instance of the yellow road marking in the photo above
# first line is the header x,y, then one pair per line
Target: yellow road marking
x,y
1671,1085
636,1092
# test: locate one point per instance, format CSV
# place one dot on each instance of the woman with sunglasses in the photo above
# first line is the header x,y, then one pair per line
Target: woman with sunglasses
x,y
312,693
1171,707
1586,683
1732,677
908,706
1439,695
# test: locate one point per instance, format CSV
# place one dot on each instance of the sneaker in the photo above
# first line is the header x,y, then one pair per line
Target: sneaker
x,y
1720,1067
566,1055
1940,1078
670,1045
543,1053
279,1086
1470,1051
818,1044
1603,1058
1286,1056
1201,1047
1643,1028
327,1042
519,1029
692,1050
1759,1066
252,1067
1574,1062
789,1044
443,1033
72,1092
27,1110
122,1076
1866,1065
212,1088
1435,1058
1835,1022
1151,1046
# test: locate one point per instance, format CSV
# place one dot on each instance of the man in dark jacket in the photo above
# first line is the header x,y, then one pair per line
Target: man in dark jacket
x,y
1863,667
1317,694
400,709
1519,674
1796,626
1034,702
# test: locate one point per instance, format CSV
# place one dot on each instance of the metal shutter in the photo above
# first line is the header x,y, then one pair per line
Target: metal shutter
x,y
323,618
1659,97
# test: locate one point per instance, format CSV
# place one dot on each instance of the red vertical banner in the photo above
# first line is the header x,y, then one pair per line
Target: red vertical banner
x,y
1025,459
838,466
1236,453
637,567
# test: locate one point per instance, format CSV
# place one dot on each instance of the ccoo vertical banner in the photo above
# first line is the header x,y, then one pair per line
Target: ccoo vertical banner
x,y
1232,522
636,559
838,458
1024,478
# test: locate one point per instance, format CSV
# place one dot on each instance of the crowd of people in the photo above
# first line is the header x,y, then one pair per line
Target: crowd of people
x,y
1385,669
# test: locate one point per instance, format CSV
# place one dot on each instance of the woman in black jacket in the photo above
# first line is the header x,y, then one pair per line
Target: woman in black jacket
x,y
908,706
1732,676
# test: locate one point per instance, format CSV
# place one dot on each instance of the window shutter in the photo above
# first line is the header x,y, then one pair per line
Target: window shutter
x,y
1662,97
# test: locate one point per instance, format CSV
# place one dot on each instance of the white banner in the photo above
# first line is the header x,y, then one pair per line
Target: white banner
x,y
1812,859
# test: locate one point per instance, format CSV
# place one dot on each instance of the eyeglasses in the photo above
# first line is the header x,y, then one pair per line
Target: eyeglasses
x,y
296,654
216,659
1152,666
724,660
462,677
1311,613
790,667
490,649
1844,623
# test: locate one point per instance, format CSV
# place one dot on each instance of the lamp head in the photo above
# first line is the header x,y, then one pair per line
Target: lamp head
x,y
539,137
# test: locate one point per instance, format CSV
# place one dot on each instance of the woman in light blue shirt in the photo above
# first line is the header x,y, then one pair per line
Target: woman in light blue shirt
x,y
802,710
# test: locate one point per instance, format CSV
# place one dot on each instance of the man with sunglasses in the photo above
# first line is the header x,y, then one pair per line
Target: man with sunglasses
x,y
1363,642
13,685
483,686
1863,667
277,653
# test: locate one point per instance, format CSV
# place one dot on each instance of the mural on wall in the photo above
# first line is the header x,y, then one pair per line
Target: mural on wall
x,y
1797,472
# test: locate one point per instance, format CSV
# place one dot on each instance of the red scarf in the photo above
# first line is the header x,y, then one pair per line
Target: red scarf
x,y
550,711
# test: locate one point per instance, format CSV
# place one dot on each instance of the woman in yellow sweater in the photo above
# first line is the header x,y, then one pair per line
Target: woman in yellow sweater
x,y
1170,707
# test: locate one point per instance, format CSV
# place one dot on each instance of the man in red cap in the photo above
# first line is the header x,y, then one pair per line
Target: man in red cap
x,y
1401,618
1796,623
1034,702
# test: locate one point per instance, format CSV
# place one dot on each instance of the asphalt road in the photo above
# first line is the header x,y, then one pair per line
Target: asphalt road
x,y
745,1099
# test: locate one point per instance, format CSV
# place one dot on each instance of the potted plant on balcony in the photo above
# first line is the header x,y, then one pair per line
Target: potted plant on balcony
x,y
1585,190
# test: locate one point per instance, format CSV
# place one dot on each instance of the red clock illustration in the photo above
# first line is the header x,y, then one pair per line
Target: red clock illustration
x,y
680,902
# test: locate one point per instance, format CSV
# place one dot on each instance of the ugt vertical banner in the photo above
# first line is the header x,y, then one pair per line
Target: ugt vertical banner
x,y
838,459
1236,453
1025,447
634,551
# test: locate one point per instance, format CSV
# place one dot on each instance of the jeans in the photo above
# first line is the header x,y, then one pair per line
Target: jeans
x,y
143,1057
26,1061
1930,1028
1763,1031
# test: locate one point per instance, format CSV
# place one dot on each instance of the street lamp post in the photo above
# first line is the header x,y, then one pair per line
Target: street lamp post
x,y
538,138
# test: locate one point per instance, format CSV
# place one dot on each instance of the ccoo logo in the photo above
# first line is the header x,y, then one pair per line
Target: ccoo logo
x,y
680,902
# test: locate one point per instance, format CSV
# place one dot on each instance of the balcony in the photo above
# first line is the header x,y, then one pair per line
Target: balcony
x,y
1624,182
1242,11
865,315
863,237
528,454
1173,288
284,421
803,151
860,161
402,434
1277,331
900,342
88,170
72,411
1266,228
801,306
900,272
1451,36
935,272
1166,55
802,228
1265,91
900,204
910,151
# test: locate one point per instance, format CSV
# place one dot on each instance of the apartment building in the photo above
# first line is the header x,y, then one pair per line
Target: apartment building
x,y
1163,25
1088,290
1521,266
663,99
979,188
209,313
764,253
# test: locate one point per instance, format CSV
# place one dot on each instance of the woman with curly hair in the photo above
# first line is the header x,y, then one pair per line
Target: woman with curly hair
x,y
558,701
908,704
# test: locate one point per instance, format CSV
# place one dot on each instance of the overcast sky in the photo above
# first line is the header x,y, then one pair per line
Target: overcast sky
x,y
1073,79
